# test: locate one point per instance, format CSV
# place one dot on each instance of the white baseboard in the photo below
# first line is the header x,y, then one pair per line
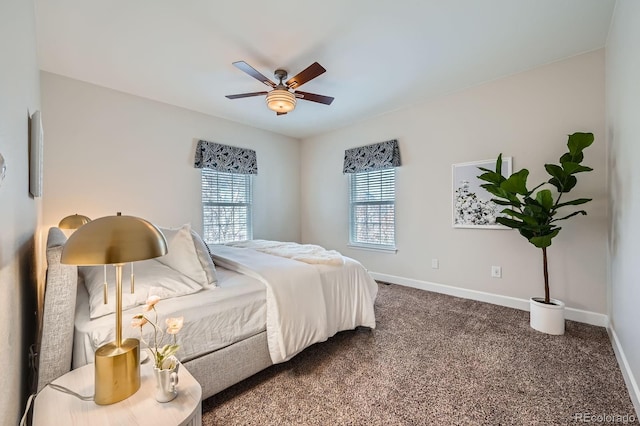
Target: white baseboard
x,y
572,314
629,379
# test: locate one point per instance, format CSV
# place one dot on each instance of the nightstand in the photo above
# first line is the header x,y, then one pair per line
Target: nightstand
x,y
57,408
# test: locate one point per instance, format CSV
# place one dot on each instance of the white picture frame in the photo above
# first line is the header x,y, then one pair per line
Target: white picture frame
x,y
36,155
471,204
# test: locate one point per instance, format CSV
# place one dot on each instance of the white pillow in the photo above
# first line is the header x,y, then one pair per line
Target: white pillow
x,y
204,256
182,255
151,278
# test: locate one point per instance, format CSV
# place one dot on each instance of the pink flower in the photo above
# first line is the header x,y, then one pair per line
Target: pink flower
x,y
138,321
150,303
174,325
160,351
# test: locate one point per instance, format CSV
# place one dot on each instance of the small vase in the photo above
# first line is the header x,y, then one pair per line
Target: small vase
x,y
166,383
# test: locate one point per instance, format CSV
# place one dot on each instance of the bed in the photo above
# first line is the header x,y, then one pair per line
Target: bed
x,y
266,306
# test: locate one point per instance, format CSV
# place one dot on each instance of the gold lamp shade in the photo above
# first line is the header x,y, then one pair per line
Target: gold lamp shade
x,y
112,240
115,240
73,221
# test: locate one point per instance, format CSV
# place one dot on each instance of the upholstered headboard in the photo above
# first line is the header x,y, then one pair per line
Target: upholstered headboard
x,y
56,341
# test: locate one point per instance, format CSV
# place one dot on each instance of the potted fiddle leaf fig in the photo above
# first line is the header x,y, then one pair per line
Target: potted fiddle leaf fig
x,y
536,215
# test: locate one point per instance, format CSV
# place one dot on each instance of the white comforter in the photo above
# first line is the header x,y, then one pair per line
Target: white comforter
x,y
307,253
306,303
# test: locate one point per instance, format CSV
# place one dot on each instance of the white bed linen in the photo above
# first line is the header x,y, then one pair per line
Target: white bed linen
x,y
306,303
213,318
218,317
307,253
350,293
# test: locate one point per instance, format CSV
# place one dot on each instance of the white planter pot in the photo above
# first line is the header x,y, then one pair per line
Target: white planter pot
x,y
547,318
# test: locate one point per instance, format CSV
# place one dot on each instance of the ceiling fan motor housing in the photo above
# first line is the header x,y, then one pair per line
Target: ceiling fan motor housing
x,y
280,74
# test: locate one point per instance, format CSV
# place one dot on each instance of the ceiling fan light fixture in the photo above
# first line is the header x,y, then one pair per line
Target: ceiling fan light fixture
x,y
281,100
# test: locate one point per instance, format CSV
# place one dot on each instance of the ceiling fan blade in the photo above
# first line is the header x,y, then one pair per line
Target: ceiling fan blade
x,y
281,113
243,66
245,95
309,73
314,98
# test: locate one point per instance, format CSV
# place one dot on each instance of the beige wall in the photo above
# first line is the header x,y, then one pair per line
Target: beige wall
x,y
526,116
623,121
109,151
19,212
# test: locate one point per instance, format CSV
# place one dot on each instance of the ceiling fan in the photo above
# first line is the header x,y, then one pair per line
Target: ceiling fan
x,y
282,99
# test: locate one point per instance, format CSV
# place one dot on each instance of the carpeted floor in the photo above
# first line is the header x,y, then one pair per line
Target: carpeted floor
x,y
436,359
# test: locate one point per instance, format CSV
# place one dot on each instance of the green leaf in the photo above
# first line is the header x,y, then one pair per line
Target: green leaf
x,y
543,241
537,213
555,182
168,350
571,168
495,190
556,171
526,233
506,199
579,141
569,184
564,185
533,207
491,177
526,219
516,183
567,158
574,202
545,199
582,212
515,201
511,223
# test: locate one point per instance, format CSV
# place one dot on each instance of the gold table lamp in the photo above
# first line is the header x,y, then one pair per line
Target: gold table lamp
x,y
73,221
115,240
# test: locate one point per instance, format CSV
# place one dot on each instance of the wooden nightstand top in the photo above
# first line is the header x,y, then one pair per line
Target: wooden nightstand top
x,y
57,408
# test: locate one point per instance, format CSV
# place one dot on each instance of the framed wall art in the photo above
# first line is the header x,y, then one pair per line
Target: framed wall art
x,y
35,155
472,205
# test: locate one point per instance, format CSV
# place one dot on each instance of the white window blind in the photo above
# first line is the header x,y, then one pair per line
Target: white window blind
x,y
226,206
372,208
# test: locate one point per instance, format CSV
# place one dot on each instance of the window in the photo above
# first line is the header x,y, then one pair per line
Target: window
x,y
226,206
372,209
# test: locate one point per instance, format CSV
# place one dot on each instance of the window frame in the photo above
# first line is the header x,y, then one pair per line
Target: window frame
x,y
247,188
353,240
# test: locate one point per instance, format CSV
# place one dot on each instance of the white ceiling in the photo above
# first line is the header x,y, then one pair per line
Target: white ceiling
x,y
380,55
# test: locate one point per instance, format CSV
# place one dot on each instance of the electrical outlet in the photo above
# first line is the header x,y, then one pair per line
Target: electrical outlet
x,y
496,272
434,264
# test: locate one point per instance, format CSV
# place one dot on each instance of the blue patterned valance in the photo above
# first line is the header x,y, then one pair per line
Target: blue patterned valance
x,y
383,155
226,158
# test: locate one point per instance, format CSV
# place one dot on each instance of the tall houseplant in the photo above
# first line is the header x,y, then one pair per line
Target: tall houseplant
x,y
536,214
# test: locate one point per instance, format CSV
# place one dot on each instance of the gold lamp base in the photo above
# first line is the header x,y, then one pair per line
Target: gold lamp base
x,y
117,371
